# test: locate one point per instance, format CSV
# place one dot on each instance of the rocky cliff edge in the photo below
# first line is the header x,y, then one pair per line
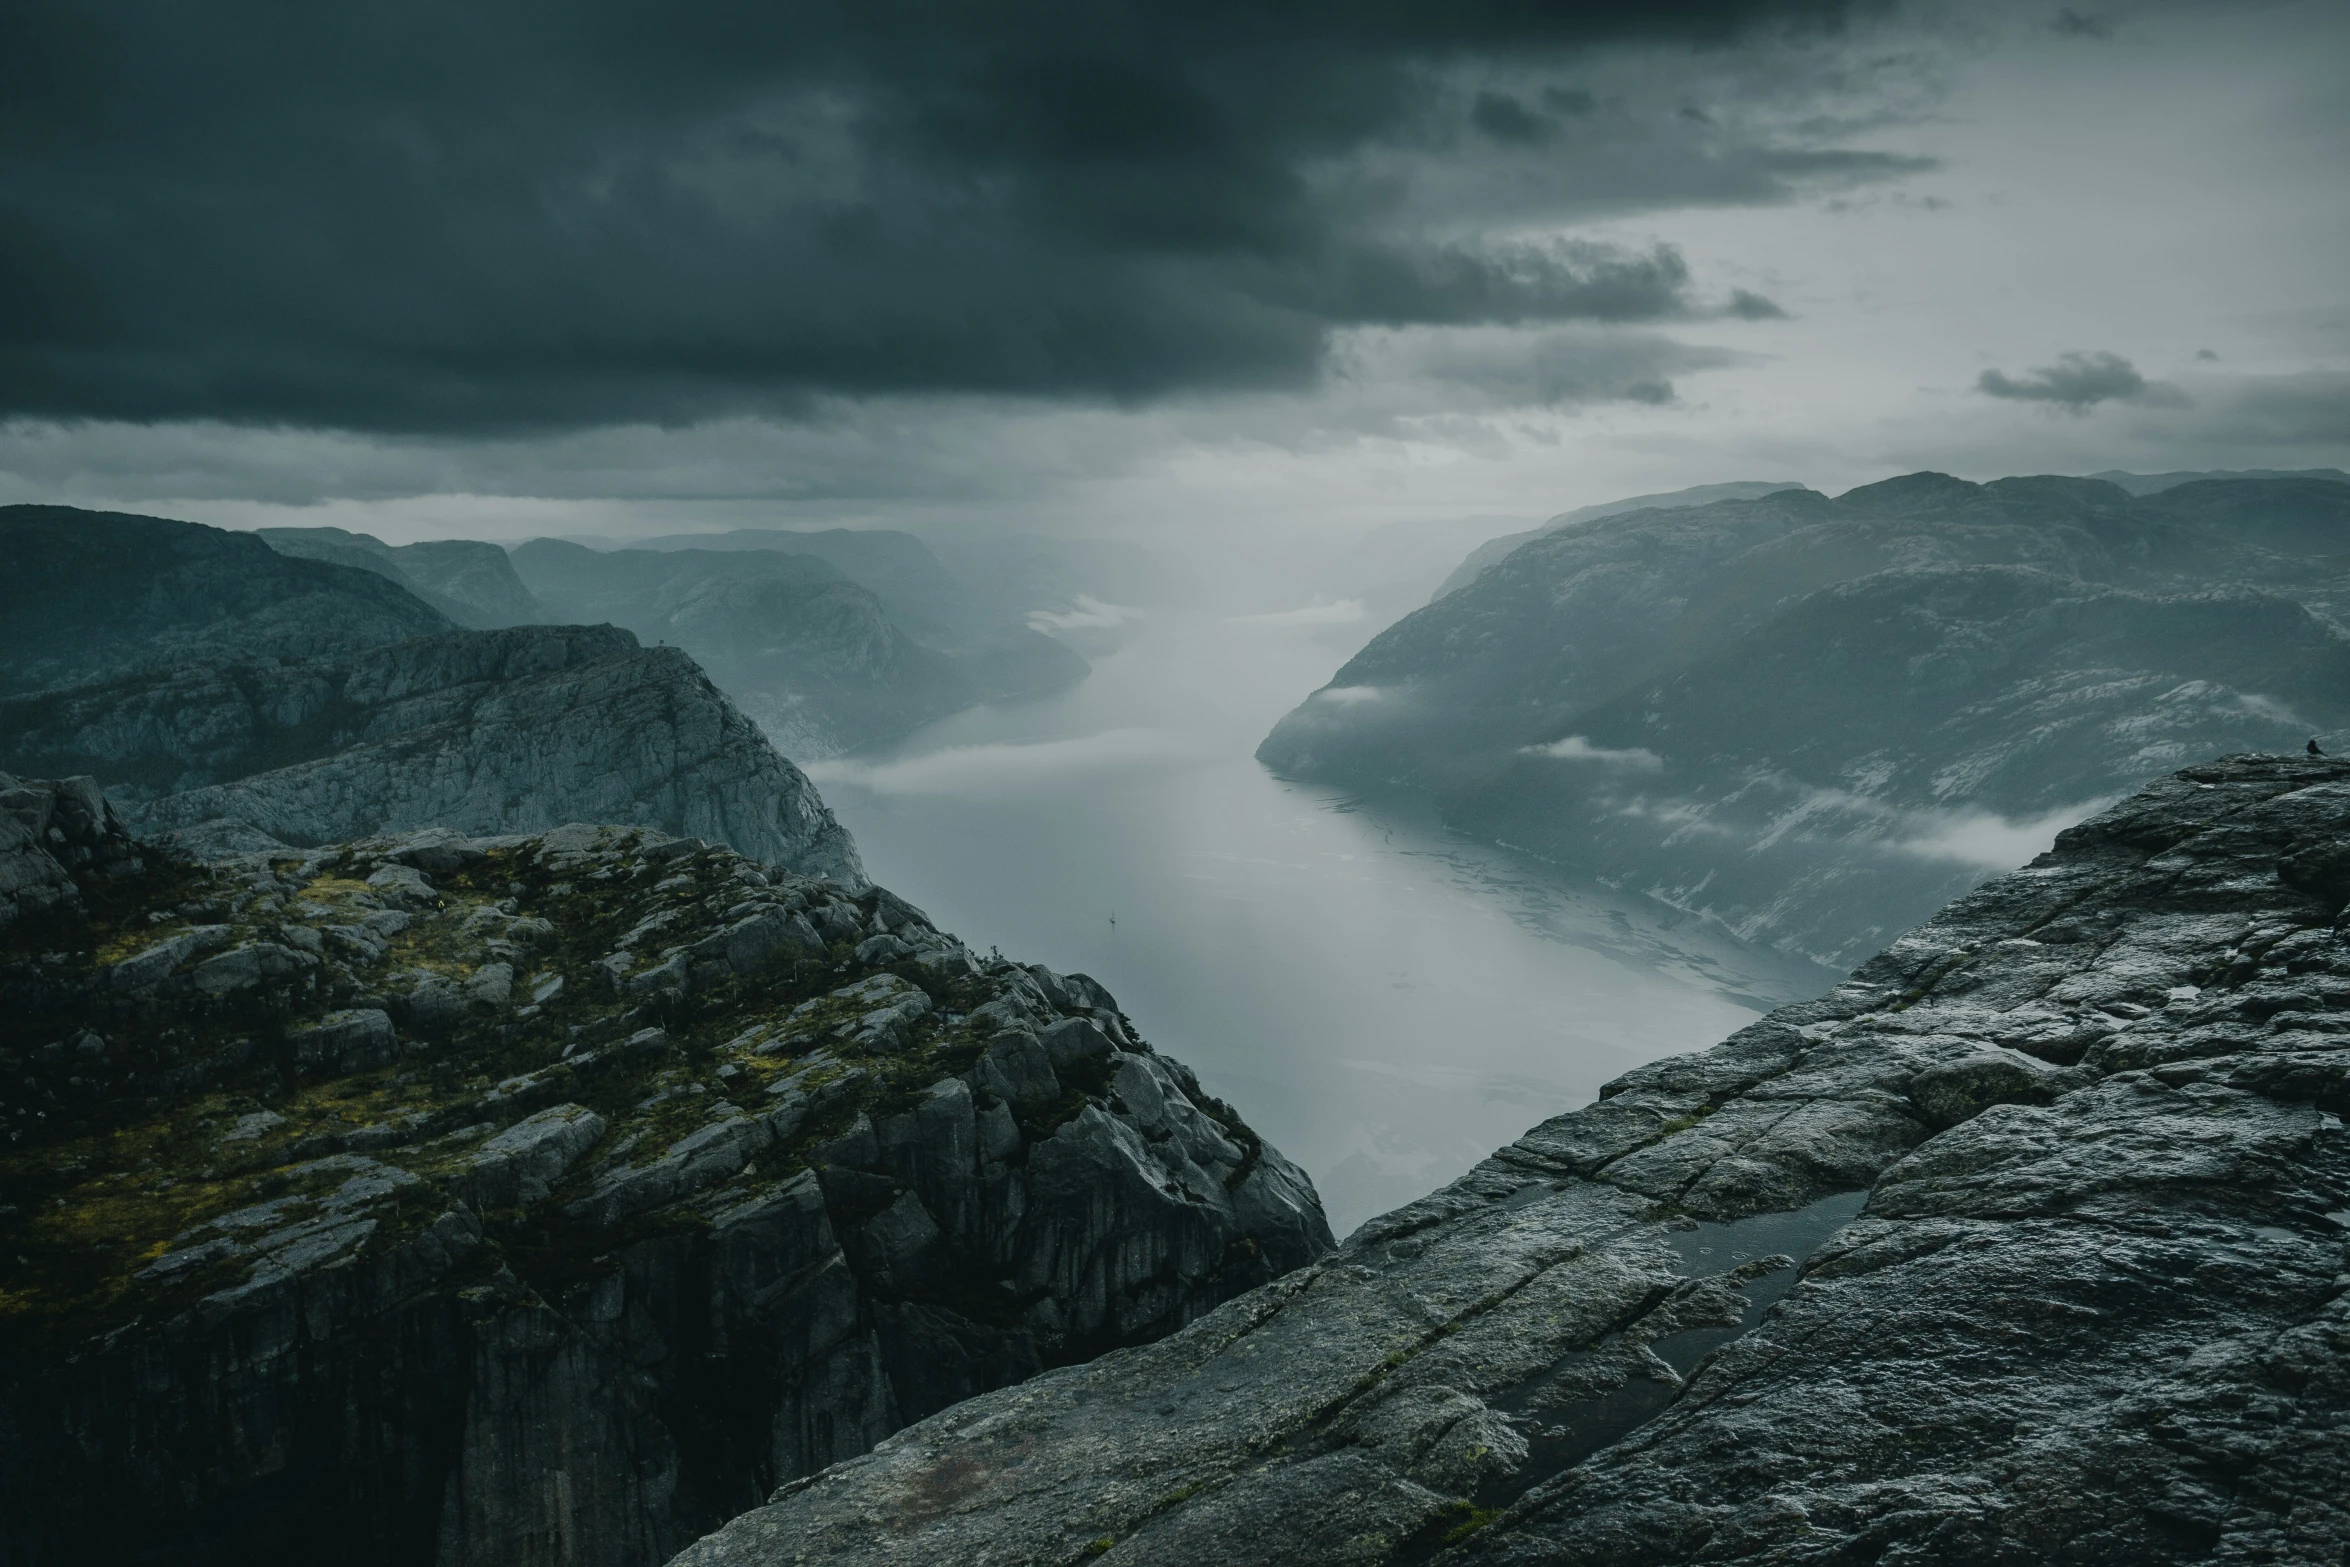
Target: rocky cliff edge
x,y
479,731
2025,1245
547,1198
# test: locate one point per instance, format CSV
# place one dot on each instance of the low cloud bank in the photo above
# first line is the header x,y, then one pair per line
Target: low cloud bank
x,y
1009,769
1343,613
1089,615
2078,382
1991,841
1574,748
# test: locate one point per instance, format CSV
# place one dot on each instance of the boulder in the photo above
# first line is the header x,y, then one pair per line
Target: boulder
x,y
521,1164
1960,1090
1075,1043
344,1042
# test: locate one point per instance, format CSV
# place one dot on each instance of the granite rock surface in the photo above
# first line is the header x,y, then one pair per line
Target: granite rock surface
x,y
546,1198
2026,1244
50,829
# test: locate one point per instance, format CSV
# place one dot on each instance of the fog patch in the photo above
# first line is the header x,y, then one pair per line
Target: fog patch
x,y
1345,612
1089,614
1574,748
1350,696
1986,839
1005,769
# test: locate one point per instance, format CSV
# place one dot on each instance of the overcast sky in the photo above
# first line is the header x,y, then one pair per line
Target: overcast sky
x,y
1151,268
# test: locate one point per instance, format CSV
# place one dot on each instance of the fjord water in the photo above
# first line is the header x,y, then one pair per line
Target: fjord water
x,y
1386,1002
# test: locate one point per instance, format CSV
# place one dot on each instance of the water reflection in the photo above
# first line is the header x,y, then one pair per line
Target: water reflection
x,y
1385,1002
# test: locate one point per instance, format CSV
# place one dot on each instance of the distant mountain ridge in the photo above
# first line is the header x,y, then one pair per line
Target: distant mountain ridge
x,y
470,582
951,587
819,660
927,599
2155,483
239,696
89,594
1817,719
1497,549
832,639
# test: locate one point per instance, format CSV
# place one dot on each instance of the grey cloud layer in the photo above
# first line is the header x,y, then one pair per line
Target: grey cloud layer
x,y
2080,381
515,214
974,450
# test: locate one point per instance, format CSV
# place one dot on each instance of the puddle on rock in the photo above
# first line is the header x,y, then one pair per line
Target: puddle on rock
x,y
1594,1398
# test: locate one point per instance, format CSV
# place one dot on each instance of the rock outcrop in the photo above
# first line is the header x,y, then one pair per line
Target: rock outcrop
x,y
1818,720
49,830
548,1199
477,731
2027,1244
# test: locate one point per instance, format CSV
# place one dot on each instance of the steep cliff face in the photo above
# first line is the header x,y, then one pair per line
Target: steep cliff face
x,y
91,594
1817,720
471,582
478,731
2025,1245
546,1199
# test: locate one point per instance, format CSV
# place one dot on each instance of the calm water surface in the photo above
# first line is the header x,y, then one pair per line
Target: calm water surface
x,y
1385,1002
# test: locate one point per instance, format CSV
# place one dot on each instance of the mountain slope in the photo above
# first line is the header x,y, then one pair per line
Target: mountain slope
x,y
1816,719
1497,549
2024,1245
811,655
89,594
2152,483
323,713
470,582
921,594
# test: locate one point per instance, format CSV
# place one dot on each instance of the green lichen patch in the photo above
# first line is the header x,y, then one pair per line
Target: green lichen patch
x,y
198,1104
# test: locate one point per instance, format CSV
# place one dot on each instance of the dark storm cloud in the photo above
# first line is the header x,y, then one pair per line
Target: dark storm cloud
x,y
2079,382
1561,368
452,216
1504,118
2069,23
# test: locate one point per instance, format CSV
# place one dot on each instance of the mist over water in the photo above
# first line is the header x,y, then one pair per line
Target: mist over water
x,y
1386,1002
